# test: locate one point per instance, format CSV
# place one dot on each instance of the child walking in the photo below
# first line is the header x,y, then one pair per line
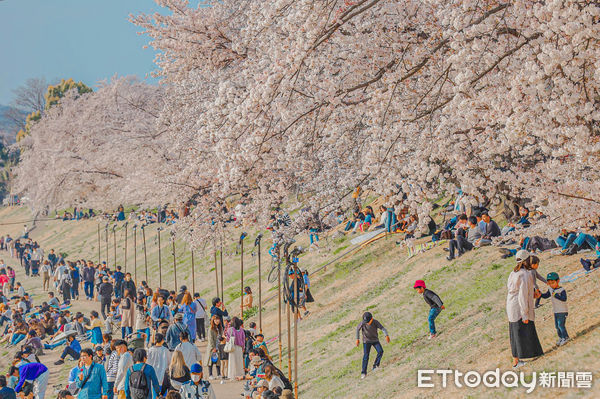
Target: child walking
x,y
559,305
435,303
369,328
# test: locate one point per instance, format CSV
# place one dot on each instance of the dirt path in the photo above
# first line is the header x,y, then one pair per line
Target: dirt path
x,y
59,374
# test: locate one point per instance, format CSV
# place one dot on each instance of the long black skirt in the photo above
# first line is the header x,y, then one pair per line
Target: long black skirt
x,y
524,341
309,297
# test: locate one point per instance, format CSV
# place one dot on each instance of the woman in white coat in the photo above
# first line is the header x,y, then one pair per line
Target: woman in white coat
x,y
520,309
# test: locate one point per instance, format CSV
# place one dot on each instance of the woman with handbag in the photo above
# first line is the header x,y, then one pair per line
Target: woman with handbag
x,y
236,339
127,313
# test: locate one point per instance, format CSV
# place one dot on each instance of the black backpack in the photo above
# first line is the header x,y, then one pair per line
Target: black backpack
x,y
138,384
286,383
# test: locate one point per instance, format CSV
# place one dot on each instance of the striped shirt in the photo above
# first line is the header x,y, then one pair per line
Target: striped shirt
x,y
112,365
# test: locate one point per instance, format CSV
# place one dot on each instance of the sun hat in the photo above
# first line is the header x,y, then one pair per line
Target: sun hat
x,y
419,283
521,255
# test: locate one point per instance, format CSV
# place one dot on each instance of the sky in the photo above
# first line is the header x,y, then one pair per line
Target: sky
x,y
87,40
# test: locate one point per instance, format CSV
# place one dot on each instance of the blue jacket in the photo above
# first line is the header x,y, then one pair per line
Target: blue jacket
x,y
150,378
96,385
215,311
29,372
75,345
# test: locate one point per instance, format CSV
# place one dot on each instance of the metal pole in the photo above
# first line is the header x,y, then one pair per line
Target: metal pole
x,y
106,231
217,275
135,253
221,256
115,245
145,254
99,256
259,292
193,278
174,264
296,332
242,278
279,317
289,339
125,259
159,260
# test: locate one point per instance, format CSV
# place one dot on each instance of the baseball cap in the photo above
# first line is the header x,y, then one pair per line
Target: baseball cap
x,y
196,368
552,276
521,255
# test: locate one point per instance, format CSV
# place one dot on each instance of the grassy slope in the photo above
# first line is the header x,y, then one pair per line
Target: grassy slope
x,y
474,330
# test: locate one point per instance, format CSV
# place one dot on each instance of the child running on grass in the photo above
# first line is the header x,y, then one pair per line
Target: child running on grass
x,y
369,328
559,305
434,301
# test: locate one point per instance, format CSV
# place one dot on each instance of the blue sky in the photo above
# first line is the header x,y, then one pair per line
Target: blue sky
x,y
87,40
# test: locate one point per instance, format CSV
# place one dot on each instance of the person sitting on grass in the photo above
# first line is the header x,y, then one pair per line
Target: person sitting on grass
x,y
489,229
462,244
73,349
435,303
559,306
581,241
523,221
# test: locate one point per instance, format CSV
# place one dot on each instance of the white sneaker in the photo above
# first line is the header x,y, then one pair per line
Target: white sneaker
x,y
362,376
519,364
432,336
375,369
559,342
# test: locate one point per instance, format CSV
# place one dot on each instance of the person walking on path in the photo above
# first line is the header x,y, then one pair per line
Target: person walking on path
x,y
92,382
125,362
211,355
524,341
236,362
188,308
200,317
140,380
159,358
105,292
369,328
435,303
191,353
46,271
197,388
127,313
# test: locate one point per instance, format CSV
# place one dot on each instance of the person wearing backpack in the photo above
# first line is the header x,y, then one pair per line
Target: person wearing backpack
x,y
92,382
141,381
174,332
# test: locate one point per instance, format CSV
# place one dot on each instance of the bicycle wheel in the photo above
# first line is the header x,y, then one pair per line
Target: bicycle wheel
x,y
275,270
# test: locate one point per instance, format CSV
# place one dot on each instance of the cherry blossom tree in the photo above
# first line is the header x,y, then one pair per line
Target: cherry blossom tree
x,y
307,99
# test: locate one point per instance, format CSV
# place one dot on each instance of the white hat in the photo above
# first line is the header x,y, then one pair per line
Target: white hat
x,y
521,255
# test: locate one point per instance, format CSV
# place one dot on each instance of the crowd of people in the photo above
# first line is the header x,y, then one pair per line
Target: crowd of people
x,y
140,343
143,342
